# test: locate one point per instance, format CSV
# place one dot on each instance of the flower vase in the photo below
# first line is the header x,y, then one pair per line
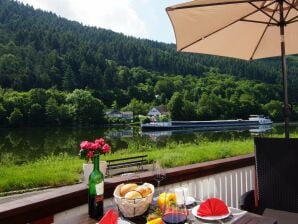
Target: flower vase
x,y
87,169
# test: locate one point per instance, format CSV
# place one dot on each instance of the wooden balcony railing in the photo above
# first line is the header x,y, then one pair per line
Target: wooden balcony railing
x,y
224,178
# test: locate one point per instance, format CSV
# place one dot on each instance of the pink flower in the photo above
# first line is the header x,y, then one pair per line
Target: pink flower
x,y
90,154
85,145
94,146
106,148
89,148
100,141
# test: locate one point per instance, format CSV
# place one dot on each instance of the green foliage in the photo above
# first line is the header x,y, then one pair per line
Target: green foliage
x,y
274,110
52,111
36,114
175,106
40,107
89,110
15,118
144,120
116,120
163,118
3,114
49,55
137,107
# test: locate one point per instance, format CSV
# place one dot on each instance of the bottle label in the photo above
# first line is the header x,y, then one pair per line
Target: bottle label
x,y
98,199
99,188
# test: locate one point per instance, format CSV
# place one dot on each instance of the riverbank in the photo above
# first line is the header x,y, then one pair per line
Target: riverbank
x,y
59,170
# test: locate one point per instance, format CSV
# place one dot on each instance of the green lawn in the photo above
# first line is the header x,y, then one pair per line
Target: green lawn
x,y
63,169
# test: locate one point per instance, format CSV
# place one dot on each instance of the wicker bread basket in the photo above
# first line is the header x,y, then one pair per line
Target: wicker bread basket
x,y
133,207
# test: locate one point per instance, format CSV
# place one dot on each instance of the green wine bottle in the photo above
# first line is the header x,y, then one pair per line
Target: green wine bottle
x,y
96,190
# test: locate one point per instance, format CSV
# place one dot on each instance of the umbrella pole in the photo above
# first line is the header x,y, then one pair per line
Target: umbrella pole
x,y
286,110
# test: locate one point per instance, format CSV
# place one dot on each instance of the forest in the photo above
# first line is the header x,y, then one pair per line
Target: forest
x,y
58,72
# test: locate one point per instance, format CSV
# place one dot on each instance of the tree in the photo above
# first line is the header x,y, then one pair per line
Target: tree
x,y
274,110
15,118
3,114
36,114
175,107
189,110
115,105
88,110
66,114
165,86
68,82
38,96
52,111
212,107
138,107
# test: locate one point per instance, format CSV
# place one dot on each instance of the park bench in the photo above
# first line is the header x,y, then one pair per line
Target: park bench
x,y
135,161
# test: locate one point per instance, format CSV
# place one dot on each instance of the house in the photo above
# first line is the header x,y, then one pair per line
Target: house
x,y
128,115
158,111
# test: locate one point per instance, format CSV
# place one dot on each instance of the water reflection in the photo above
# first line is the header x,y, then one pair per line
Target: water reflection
x,y
218,133
29,143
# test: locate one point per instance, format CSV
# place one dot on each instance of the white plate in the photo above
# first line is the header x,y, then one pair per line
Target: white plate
x,y
209,218
122,221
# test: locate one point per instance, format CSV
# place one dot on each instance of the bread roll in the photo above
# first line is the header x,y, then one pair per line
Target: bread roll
x,y
133,195
126,188
143,190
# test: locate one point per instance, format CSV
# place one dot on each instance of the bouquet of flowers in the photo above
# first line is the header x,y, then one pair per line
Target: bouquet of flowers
x,y
88,149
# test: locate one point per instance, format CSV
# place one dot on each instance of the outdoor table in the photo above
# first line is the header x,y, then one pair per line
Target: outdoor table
x,y
234,219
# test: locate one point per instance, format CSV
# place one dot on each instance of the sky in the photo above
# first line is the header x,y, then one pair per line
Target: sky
x,y
139,18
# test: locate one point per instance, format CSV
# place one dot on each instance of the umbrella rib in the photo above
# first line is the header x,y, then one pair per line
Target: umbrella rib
x,y
261,38
292,6
230,24
255,21
292,20
211,4
261,10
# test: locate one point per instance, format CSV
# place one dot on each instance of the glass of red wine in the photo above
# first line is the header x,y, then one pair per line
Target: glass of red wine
x,y
174,213
159,174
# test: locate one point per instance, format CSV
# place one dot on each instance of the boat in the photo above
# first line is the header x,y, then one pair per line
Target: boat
x,y
253,120
261,129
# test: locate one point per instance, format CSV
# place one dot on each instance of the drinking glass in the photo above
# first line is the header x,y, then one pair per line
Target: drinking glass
x,y
173,212
159,174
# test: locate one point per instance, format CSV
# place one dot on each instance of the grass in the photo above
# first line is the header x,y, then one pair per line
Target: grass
x,y
47,171
58,170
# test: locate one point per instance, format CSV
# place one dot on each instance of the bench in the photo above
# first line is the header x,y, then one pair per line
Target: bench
x,y
138,161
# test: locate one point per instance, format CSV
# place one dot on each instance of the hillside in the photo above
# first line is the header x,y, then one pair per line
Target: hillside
x,y
35,31
41,50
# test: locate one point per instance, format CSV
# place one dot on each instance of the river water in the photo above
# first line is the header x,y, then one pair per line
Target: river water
x,y
31,143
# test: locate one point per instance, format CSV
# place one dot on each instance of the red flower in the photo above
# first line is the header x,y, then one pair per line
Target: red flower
x,y
106,148
94,146
90,154
85,145
98,146
100,141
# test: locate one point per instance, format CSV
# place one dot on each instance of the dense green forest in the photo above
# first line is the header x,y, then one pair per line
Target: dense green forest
x,y
59,72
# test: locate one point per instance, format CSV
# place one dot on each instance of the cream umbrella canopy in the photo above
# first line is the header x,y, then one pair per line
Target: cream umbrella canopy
x,y
245,29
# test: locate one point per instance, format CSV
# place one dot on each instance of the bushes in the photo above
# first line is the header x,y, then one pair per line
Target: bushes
x,y
40,107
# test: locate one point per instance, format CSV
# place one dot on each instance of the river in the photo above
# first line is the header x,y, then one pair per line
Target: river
x,y
31,143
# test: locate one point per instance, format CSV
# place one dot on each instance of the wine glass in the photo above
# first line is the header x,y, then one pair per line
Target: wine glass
x,y
174,212
159,174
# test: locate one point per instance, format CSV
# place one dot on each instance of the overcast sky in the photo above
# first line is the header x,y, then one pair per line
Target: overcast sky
x,y
139,18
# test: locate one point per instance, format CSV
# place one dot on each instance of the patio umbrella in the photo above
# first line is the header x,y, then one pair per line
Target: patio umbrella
x,y
245,29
